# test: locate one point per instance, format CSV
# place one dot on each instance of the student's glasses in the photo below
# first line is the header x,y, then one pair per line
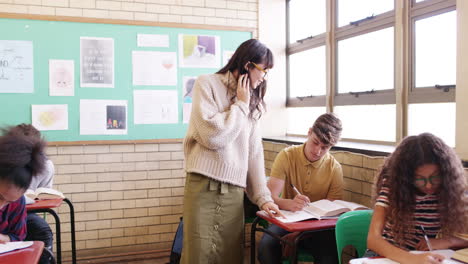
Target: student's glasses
x,y
265,71
421,182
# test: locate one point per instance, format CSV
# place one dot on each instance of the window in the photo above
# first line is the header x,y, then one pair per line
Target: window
x,y
386,67
300,119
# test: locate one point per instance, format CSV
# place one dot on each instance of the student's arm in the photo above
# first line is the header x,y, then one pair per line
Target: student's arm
x,y
16,230
444,243
377,243
276,185
335,192
49,175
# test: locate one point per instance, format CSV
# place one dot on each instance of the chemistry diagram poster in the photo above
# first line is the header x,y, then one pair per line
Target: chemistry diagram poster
x,y
97,62
199,51
16,66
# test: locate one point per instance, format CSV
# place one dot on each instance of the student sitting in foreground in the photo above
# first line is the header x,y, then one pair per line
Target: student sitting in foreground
x,y
37,228
421,187
316,175
20,158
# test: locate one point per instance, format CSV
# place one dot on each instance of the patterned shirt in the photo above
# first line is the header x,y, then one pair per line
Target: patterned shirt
x,y
13,220
426,214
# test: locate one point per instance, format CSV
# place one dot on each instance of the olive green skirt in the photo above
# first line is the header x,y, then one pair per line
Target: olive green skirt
x,y
213,221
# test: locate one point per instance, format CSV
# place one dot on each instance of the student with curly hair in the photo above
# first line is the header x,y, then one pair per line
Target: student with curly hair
x,y
422,186
21,158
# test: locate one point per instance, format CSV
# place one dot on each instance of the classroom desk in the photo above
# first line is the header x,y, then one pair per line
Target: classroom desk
x,y
304,227
41,206
25,255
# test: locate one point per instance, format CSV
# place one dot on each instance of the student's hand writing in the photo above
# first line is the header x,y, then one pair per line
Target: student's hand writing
x,y
243,88
425,258
272,210
296,204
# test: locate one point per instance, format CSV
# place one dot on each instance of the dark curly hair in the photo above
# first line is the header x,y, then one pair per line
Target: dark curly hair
x,y
22,156
254,51
398,172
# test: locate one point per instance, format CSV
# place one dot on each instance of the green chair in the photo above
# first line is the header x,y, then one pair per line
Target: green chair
x,y
351,229
302,256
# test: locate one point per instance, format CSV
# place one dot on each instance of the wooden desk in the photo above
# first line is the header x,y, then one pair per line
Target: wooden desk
x,y
41,206
25,255
305,227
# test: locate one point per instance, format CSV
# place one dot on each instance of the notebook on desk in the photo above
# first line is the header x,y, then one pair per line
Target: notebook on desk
x,y
447,253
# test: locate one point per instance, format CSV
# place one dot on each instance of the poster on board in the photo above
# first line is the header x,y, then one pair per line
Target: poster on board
x,y
96,62
103,117
199,51
16,66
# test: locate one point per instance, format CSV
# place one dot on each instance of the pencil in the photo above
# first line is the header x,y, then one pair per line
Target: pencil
x,y
295,189
427,239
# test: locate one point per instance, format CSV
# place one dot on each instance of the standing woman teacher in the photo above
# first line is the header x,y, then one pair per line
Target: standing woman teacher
x,y
224,156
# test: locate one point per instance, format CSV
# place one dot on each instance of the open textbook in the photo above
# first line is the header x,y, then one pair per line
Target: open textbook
x,y
322,209
447,253
10,246
44,194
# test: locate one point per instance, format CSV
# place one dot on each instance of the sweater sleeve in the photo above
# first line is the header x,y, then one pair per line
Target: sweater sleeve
x,y
215,128
257,190
17,228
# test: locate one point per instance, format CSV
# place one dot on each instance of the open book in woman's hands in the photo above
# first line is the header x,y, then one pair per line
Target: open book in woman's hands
x,y
322,209
44,194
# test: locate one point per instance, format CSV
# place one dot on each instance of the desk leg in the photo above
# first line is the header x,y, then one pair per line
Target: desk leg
x,y
57,231
72,225
252,239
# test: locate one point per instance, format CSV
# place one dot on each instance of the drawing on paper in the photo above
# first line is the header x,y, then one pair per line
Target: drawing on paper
x,y
199,51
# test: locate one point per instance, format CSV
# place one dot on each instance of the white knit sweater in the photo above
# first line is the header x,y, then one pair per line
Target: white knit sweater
x,y
222,141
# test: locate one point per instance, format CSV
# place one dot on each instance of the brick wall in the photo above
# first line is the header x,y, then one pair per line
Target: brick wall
x,y
126,197
241,13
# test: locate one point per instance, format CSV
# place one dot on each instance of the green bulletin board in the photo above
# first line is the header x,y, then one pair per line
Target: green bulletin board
x,y
59,40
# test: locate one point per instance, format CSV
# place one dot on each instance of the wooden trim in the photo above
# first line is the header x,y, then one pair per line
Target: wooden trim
x,y
122,22
114,142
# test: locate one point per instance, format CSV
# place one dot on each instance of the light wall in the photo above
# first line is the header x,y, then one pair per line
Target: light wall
x,y
461,139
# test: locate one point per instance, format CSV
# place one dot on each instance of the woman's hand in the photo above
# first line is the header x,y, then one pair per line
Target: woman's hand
x,y
272,210
425,258
243,88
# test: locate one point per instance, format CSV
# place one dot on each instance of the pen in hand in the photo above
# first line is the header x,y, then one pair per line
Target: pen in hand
x,y
426,238
295,189
298,193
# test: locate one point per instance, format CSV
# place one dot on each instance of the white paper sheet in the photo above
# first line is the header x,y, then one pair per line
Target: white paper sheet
x,y
153,40
96,62
154,68
227,54
155,107
61,78
50,117
16,66
10,246
187,111
103,117
199,51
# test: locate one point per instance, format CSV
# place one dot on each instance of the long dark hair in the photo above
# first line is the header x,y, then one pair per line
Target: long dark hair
x,y
398,172
21,157
254,51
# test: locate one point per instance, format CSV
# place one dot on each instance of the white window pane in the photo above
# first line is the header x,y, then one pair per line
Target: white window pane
x,y
306,18
368,122
435,118
300,119
307,73
436,50
366,62
349,11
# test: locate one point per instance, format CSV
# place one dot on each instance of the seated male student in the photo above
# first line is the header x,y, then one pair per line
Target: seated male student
x,y
316,175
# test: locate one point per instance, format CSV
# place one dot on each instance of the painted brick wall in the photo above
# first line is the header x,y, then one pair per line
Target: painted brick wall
x,y
126,197
241,13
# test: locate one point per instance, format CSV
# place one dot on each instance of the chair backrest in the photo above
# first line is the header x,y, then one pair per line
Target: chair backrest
x,y
351,229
